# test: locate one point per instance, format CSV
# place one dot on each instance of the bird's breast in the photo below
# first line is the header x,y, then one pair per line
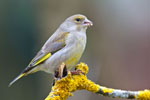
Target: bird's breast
x,y
77,43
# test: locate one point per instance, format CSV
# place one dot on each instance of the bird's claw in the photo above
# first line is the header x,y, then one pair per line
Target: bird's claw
x,y
76,72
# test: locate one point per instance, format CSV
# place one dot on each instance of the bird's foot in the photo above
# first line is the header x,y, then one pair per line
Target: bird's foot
x,y
76,72
62,72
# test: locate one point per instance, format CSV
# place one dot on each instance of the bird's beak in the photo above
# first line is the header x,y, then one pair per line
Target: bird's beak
x,y
87,22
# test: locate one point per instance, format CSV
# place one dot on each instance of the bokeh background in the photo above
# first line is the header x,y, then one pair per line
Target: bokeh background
x,y
117,52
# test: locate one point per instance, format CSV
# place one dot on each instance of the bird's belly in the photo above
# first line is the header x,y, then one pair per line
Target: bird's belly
x,y
70,56
73,59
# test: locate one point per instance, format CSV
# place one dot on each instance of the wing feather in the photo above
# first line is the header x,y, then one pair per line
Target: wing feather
x,y
53,45
47,50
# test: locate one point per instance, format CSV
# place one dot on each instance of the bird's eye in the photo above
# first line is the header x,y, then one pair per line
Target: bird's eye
x,y
78,19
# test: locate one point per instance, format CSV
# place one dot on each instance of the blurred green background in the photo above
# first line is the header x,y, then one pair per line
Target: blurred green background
x,y
117,52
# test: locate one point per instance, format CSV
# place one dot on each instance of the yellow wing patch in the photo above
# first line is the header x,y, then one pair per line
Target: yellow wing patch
x,y
43,59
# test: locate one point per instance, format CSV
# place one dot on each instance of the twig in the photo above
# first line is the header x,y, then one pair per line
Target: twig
x,y
64,87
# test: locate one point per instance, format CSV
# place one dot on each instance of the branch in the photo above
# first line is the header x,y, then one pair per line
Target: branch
x,y
64,86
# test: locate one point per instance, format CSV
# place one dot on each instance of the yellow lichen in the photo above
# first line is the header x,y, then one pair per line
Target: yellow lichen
x,y
144,95
83,67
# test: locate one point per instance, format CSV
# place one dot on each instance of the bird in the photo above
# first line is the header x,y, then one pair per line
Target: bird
x,y
66,45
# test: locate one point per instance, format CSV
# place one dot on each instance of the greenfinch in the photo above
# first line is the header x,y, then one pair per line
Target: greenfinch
x,y
66,45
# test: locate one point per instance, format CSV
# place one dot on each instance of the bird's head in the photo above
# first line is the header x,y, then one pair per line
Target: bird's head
x,y
76,22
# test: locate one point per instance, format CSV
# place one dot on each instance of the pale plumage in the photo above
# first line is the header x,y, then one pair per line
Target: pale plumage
x,y
66,45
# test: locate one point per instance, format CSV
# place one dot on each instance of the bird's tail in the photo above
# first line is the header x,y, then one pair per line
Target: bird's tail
x,y
26,71
17,78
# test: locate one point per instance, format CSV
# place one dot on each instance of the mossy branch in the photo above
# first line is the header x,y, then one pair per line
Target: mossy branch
x,y
64,87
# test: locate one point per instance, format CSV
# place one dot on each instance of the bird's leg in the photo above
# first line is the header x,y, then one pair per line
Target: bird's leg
x,y
53,83
61,72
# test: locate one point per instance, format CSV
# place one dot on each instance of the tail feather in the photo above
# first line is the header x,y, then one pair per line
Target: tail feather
x,y
17,78
27,71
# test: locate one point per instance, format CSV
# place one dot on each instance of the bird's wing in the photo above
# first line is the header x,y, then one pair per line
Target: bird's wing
x,y
48,49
